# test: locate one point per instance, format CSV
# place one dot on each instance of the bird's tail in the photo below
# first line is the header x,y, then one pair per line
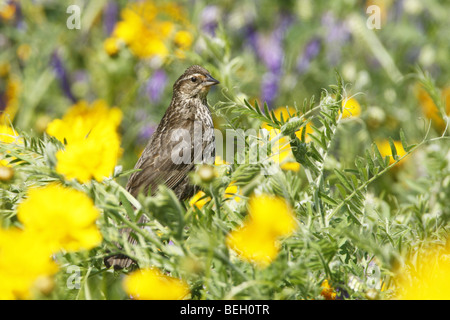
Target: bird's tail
x,y
121,261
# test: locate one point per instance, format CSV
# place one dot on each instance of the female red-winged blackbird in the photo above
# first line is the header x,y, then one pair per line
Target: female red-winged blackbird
x,y
184,137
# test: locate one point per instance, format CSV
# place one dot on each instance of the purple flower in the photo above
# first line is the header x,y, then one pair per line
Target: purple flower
x,y
269,87
18,16
155,85
311,50
145,133
337,35
251,36
271,51
110,13
209,19
62,75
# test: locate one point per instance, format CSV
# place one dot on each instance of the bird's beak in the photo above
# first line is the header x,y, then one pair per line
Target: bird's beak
x,y
210,81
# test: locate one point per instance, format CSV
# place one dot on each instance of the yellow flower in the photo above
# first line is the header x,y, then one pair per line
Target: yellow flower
x,y
64,217
327,291
351,107
385,150
93,158
253,244
6,171
256,241
218,161
199,200
8,134
152,284
183,40
111,46
11,97
24,258
272,214
7,11
83,119
93,144
231,192
429,108
24,51
281,150
158,24
426,277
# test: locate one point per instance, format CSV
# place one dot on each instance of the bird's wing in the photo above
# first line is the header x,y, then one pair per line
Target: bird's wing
x,y
156,164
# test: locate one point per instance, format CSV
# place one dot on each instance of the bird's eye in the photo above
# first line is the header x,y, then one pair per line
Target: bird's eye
x,y
194,79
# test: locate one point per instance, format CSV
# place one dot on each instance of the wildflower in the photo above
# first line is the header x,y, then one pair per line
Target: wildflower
x,y
158,23
199,200
24,51
83,119
155,85
257,241
281,150
209,19
152,284
110,13
218,161
111,46
6,172
425,277
206,173
93,158
351,108
270,50
261,213
24,258
312,49
183,40
64,217
93,144
231,192
385,150
9,100
62,75
337,35
8,134
327,291
253,245
429,108
7,11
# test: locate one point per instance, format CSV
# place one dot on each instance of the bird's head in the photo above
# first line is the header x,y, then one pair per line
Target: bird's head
x,y
194,82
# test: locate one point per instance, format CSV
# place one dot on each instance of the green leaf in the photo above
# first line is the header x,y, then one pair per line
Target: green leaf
x,y
343,179
378,155
127,205
393,149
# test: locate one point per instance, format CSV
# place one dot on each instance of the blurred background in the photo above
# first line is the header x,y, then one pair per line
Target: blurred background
x,y
54,54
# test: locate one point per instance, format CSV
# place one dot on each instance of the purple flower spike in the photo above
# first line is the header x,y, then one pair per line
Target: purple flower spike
x,y
146,132
110,14
62,75
311,51
155,85
337,35
209,19
269,87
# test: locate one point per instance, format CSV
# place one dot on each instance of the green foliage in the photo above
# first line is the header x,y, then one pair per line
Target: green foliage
x,y
357,208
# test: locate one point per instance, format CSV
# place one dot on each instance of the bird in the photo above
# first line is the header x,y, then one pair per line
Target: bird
x,y
183,138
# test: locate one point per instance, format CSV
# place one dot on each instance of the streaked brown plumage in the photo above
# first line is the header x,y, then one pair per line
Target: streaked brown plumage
x,y
189,112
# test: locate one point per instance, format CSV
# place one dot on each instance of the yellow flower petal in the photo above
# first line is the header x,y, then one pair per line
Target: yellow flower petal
x,y
254,245
272,213
351,107
152,284
64,217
